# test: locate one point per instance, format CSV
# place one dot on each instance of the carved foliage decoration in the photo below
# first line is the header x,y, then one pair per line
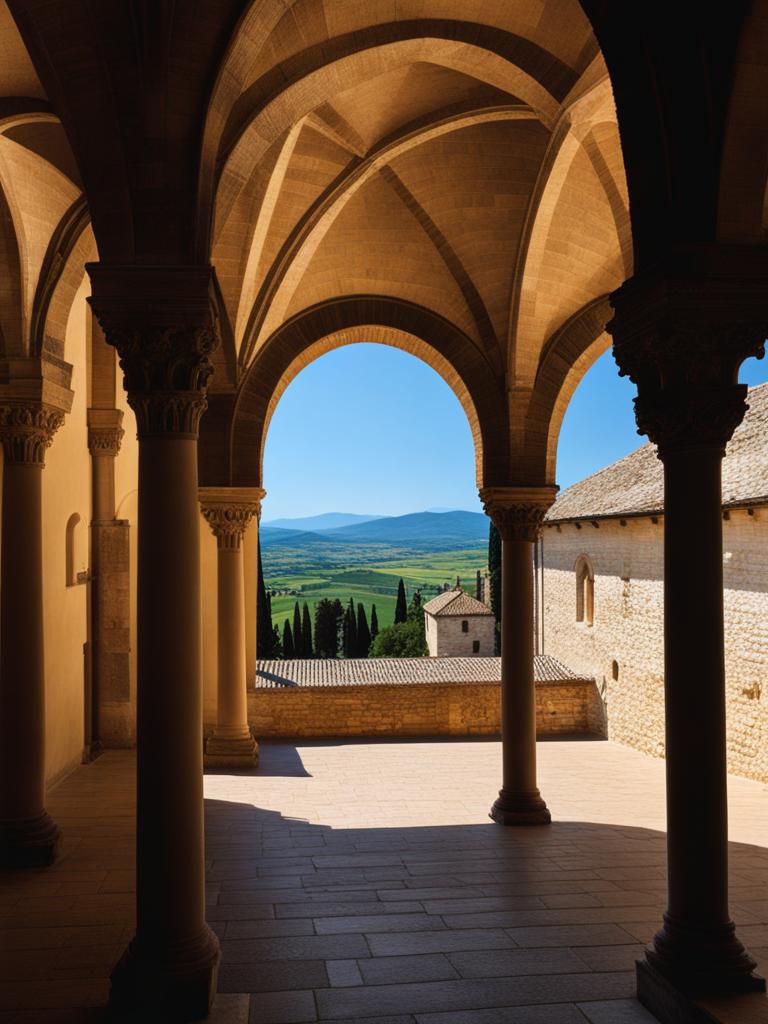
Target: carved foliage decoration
x,y
105,440
26,431
517,513
682,343
229,520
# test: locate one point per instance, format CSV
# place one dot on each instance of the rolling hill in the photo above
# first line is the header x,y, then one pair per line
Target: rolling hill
x,y
325,521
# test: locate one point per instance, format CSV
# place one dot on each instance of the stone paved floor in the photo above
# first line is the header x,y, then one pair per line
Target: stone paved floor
x,y
354,881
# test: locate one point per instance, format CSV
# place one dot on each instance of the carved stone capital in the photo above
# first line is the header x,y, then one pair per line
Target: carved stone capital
x,y
26,431
105,432
681,340
163,323
517,512
229,511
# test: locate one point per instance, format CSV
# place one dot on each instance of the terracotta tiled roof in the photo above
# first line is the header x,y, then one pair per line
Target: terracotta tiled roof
x,y
400,671
635,484
456,602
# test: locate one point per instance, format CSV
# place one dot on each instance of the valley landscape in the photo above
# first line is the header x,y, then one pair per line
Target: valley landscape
x,y
339,555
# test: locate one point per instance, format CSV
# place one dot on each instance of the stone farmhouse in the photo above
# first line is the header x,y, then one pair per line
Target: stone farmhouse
x,y
601,589
457,624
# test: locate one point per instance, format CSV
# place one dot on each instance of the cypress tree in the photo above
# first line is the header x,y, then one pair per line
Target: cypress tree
x,y
401,608
363,633
265,640
478,586
416,616
287,641
328,617
352,629
306,633
374,623
346,647
298,642
494,574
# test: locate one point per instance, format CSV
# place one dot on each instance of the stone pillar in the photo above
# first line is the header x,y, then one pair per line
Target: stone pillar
x,y
517,512
228,511
682,340
111,714
28,835
161,321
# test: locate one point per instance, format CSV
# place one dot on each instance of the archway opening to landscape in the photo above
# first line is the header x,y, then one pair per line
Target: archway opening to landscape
x,y
371,465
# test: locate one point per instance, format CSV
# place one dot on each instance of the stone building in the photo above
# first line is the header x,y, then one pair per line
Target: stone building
x,y
457,624
602,589
199,199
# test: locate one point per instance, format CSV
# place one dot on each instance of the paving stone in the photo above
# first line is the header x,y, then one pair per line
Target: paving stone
x,y
283,1008
272,976
460,995
343,973
402,943
616,1011
299,947
502,963
390,970
560,1013
570,935
378,923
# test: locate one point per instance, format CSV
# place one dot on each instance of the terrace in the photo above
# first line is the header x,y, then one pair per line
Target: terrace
x,y
362,881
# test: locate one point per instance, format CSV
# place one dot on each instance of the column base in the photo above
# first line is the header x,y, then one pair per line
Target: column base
x,y
231,752
175,984
671,1004
29,842
703,961
520,809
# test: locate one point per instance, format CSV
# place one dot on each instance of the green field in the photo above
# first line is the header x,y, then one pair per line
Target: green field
x,y
374,583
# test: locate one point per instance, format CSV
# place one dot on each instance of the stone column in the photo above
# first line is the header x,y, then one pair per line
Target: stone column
x,y
110,714
162,323
682,340
517,513
228,511
28,835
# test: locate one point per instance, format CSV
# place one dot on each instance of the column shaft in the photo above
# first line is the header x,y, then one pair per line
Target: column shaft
x,y
697,945
28,835
517,513
163,324
518,699
229,511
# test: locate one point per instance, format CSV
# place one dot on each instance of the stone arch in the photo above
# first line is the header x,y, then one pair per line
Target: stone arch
x,y
743,198
277,100
368,318
566,357
585,590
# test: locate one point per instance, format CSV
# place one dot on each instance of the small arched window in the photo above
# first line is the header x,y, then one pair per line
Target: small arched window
x,y
615,670
73,554
585,590
464,626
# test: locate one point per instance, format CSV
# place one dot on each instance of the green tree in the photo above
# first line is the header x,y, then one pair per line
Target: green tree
x,y
416,615
363,633
478,586
306,633
494,574
265,634
350,631
298,641
374,623
403,640
288,651
401,608
328,618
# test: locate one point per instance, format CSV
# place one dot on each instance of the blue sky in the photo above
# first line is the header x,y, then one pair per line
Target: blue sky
x,y
370,429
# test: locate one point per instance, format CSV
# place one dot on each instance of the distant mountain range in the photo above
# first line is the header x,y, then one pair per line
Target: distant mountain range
x,y
419,531
326,521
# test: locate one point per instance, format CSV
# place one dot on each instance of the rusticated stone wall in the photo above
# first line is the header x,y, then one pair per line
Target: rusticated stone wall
x,y
467,709
626,639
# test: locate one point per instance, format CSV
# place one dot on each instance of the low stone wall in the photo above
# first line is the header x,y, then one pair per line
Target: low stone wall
x,y
428,709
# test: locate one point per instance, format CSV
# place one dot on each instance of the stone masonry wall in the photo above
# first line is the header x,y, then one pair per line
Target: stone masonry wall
x,y
628,563
420,710
445,637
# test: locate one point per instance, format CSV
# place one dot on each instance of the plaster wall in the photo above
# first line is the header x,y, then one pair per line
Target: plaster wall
x,y
445,637
66,491
628,563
